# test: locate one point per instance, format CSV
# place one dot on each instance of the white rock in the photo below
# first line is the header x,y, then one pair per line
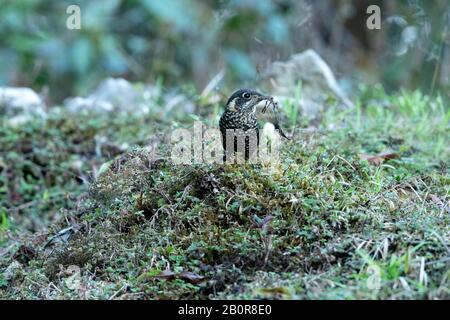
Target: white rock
x,y
119,92
78,104
281,79
115,94
19,98
20,105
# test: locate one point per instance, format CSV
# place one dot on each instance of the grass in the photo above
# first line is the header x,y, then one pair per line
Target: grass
x,y
326,224
292,107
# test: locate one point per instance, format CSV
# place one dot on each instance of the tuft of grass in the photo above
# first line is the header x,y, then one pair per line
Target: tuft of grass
x,y
293,111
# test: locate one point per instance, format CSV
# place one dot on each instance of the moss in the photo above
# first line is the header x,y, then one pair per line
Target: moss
x,y
317,227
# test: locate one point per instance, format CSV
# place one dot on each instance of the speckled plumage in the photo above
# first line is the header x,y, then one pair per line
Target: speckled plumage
x,y
238,120
240,115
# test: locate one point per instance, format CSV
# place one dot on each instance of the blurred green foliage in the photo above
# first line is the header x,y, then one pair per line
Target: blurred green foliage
x,y
137,39
191,41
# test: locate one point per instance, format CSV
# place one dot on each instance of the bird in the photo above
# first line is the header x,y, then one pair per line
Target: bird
x,y
240,120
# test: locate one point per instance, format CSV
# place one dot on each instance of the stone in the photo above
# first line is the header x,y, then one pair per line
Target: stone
x,y
21,105
114,95
119,95
318,83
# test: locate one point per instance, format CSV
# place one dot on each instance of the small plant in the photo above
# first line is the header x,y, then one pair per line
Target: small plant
x,y
4,224
292,106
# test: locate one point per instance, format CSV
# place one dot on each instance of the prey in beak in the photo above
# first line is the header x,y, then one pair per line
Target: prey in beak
x,y
269,102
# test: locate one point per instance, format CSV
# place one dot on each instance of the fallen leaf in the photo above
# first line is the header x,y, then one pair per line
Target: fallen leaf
x,y
166,275
191,277
379,159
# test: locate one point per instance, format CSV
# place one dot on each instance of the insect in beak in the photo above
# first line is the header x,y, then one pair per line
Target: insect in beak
x,y
269,101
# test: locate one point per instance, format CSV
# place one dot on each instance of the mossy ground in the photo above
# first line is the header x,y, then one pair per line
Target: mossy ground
x,y
326,224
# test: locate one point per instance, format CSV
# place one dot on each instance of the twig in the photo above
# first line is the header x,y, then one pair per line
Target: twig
x,y
117,292
346,161
442,241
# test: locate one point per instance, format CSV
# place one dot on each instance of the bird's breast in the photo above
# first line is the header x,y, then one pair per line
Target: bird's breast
x,y
238,120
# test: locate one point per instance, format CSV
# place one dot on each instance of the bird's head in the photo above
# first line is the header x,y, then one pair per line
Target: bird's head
x,y
245,100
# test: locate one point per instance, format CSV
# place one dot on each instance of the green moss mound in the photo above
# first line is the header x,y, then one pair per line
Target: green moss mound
x,y
336,219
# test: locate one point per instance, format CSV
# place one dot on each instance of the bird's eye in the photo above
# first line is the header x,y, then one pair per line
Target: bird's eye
x,y
246,95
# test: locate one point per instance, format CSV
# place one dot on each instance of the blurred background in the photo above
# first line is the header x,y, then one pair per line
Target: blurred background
x,y
189,42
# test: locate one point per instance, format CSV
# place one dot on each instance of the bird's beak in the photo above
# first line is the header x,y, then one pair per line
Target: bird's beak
x,y
257,99
263,98
260,99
